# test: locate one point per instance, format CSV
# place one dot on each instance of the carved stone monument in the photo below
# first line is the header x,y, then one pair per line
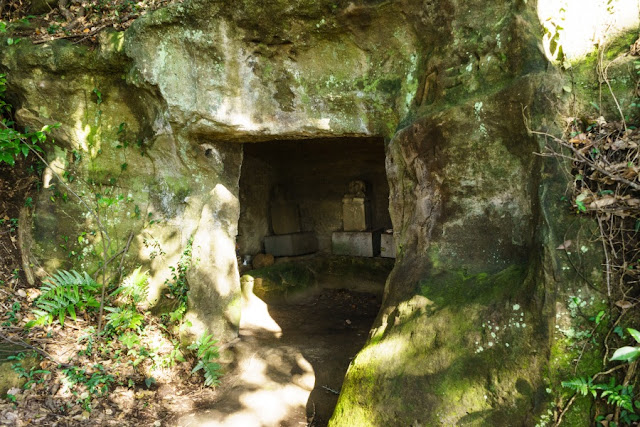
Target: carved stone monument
x,y
356,239
285,216
288,239
356,210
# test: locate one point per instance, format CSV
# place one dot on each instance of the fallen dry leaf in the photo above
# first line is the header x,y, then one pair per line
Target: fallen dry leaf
x,y
600,203
623,304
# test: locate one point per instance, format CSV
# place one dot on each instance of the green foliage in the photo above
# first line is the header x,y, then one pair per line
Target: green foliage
x,y
129,339
121,319
207,351
179,287
177,284
614,394
97,383
178,314
175,355
134,288
33,375
14,143
64,293
12,314
628,353
582,386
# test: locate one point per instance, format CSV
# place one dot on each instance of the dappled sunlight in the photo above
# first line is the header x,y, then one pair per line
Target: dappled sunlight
x,y
255,314
576,27
234,109
56,166
271,383
385,353
159,246
273,406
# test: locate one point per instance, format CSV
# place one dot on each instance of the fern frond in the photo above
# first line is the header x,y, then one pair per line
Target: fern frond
x,y
123,318
579,385
206,350
63,294
211,374
135,288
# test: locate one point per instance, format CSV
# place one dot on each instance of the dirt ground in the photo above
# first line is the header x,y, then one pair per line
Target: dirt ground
x,y
290,363
285,369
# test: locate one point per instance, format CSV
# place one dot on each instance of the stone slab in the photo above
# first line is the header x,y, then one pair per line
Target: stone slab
x,y
285,218
291,244
355,214
356,243
387,246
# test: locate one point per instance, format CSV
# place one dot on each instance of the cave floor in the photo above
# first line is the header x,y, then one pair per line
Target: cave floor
x,y
289,361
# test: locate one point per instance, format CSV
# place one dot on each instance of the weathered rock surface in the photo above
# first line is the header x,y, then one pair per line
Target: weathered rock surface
x,y
151,120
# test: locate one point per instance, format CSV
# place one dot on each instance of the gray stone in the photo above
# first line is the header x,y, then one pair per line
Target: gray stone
x,y
285,217
291,244
356,243
387,246
355,213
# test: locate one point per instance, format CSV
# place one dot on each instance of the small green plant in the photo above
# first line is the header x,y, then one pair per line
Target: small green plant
x,y
95,384
628,353
134,288
64,293
121,319
207,351
168,360
12,314
33,375
617,395
177,284
12,142
614,394
129,339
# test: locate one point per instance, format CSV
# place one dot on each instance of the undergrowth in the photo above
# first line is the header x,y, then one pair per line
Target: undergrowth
x,y
603,159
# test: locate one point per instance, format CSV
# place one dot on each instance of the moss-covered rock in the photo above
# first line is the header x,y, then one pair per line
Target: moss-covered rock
x,y
10,377
150,125
440,348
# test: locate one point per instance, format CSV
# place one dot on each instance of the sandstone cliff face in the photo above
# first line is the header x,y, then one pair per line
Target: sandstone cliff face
x,y
154,118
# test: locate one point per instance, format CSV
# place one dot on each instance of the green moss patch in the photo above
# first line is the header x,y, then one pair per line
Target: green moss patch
x,y
465,350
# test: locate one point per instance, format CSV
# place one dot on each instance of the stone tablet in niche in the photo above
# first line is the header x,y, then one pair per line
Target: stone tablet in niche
x,y
356,208
285,215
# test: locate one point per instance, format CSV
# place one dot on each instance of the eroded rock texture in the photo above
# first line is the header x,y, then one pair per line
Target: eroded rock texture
x,y
153,118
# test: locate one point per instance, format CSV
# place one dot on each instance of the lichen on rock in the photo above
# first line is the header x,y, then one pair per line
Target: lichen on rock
x,y
152,125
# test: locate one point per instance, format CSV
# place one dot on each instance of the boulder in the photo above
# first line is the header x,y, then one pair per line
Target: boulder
x,y
262,260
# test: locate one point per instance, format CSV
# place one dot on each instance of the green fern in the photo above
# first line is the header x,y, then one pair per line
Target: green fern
x,y
123,318
580,385
206,351
64,293
211,372
135,288
619,397
616,395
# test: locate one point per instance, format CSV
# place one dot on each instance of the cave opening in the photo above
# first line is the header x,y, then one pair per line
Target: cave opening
x,y
306,191
315,248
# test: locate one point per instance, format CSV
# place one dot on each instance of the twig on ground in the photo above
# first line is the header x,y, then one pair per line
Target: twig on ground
x,y
20,342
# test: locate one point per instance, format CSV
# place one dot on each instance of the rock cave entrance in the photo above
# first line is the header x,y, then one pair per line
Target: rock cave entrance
x,y
315,247
296,195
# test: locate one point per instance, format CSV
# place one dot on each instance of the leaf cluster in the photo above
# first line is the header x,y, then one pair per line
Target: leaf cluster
x,y
64,293
13,142
207,352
